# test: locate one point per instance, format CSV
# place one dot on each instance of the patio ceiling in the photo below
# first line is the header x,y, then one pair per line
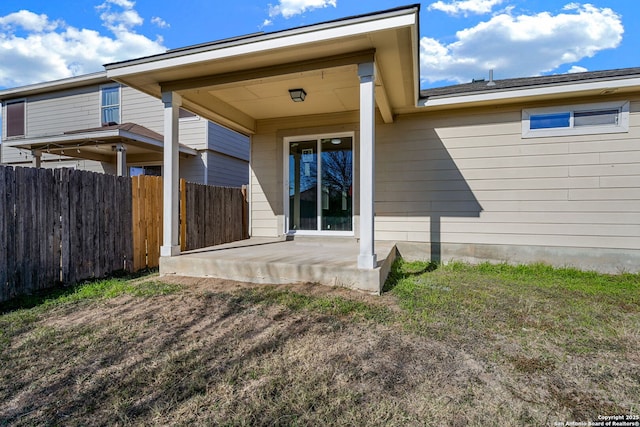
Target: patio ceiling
x,y
238,82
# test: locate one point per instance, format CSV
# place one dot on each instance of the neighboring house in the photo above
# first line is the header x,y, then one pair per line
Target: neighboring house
x,y
92,123
519,170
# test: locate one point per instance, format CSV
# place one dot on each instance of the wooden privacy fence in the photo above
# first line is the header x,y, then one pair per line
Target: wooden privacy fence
x,y
146,209
63,226
209,215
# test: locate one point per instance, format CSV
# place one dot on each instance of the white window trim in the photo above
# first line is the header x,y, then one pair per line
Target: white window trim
x,y
110,86
5,122
285,150
621,127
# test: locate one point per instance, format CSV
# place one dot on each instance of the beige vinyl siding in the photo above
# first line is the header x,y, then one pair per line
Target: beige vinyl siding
x,y
140,108
470,174
11,155
265,186
56,113
193,133
147,111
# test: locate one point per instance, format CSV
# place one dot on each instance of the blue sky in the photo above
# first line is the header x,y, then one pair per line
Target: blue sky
x,y
459,39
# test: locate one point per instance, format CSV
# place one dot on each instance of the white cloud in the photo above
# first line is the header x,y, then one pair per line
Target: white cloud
x,y
289,8
524,45
464,7
577,69
119,20
34,48
27,20
159,22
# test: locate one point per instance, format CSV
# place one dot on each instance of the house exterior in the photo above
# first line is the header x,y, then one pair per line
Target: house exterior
x,y
543,169
93,123
344,144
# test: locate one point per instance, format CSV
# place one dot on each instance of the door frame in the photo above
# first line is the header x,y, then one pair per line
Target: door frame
x,y
318,137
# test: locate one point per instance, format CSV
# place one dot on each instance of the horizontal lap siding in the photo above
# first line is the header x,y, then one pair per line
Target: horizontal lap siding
x,y
474,174
193,133
193,169
227,171
142,109
228,142
53,114
265,192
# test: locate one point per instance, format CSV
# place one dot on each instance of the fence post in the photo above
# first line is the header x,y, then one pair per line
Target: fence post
x,y
245,213
183,215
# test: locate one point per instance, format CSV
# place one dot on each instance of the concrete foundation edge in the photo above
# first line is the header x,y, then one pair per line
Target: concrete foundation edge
x,y
367,280
610,261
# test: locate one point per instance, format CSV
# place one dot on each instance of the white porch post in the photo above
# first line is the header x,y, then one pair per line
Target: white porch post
x,y
121,160
367,258
171,181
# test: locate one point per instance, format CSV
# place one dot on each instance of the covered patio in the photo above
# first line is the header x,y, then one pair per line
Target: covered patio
x,y
308,87
120,144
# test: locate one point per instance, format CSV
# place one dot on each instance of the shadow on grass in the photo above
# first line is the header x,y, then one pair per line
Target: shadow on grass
x,y
402,269
60,291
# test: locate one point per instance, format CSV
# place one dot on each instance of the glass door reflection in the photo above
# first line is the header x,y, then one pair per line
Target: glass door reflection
x,y
321,185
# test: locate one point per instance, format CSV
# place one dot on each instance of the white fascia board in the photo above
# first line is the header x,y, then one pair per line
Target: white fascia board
x,y
72,82
60,139
92,136
255,46
505,95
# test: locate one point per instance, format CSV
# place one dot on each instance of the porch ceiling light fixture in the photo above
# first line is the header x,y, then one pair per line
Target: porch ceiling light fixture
x,y
297,95
336,141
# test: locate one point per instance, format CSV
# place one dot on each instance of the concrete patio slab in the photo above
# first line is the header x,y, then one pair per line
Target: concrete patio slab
x,y
327,261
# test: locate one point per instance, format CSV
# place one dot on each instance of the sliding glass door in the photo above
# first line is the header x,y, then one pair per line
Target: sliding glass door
x,y
320,184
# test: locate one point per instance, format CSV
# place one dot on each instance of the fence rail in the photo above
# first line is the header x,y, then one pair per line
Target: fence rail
x,y
61,226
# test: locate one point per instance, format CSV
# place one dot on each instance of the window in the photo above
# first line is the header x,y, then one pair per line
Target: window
x,y
110,105
145,170
15,118
605,117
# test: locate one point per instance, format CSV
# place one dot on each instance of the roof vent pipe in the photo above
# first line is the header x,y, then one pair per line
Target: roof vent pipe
x,y
491,82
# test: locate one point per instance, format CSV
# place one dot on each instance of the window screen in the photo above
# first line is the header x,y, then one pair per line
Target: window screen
x,y
15,118
110,105
579,119
595,118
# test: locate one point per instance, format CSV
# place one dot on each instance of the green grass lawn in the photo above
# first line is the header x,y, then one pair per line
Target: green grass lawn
x,y
444,345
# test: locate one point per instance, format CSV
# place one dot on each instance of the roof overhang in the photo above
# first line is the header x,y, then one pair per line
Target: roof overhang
x,y
545,92
98,145
241,81
56,85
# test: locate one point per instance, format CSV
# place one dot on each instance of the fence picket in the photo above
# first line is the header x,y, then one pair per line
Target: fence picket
x,y
63,225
